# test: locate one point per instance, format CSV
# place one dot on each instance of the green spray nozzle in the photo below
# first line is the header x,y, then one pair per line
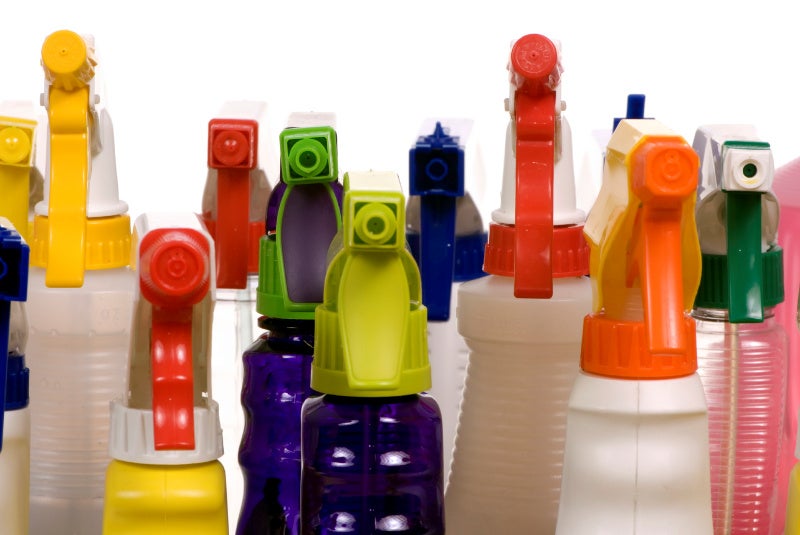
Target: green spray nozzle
x,y
371,328
737,220
308,155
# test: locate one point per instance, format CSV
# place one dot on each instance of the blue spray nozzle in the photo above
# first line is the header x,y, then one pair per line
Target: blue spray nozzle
x,y
14,255
436,175
635,109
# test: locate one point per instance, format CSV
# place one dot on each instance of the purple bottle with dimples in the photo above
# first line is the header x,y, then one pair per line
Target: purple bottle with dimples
x,y
372,443
303,215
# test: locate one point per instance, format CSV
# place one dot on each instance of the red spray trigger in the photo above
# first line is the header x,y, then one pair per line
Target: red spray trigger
x,y
174,276
535,73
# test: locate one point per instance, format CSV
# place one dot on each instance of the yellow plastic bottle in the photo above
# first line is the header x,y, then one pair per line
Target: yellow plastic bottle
x,y
165,477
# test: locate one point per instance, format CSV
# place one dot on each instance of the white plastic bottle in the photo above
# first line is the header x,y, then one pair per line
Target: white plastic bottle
x,y
506,467
79,300
636,459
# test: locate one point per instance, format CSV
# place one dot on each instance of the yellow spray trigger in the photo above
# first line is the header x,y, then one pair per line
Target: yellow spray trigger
x,y
69,67
16,159
371,327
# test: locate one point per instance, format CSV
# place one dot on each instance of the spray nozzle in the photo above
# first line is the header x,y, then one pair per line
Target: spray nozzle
x,y
233,152
14,255
643,239
737,219
17,138
308,216
370,330
634,109
436,175
174,275
308,155
68,62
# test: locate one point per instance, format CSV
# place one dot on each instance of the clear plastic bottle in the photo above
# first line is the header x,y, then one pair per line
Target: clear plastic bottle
x,y
372,443
741,347
636,456
447,239
79,299
524,351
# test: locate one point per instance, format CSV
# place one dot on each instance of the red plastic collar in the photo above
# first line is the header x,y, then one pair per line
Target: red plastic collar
x,y
173,276
233,152
569,254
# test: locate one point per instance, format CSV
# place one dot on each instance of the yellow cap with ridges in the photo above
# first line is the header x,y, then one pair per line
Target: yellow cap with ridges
x,y
371,336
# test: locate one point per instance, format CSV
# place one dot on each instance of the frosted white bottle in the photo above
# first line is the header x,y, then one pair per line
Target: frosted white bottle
x,y
507,462
76,352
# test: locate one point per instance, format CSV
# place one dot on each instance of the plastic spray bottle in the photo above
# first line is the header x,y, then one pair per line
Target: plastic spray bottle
x,y
372,444
522,322
234,204
79,298
277,366
446,236
15,423
787,189
17,151
741,348
165,431
636,455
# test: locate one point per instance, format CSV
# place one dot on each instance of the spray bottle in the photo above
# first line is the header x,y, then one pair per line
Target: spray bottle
x,y
15,424
636,454
79,299
522,322
277,366
372,444
792,518
446,236
234,203
741,348
17,144
165,431
787,189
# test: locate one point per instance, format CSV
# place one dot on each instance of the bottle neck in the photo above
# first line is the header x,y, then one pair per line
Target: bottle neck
x,y
289,336
721,314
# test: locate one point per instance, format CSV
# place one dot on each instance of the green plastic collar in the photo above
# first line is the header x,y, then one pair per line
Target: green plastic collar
x,y
370,338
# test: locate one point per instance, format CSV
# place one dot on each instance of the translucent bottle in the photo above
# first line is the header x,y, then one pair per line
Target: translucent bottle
x,y
165,476
79,298
15,425
446,236
372,444
636,454
787,189
741,348
304,214
522,322
233,207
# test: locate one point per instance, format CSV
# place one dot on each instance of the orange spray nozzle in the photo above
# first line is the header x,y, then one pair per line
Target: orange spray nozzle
x,y
643,237
535,74
174,276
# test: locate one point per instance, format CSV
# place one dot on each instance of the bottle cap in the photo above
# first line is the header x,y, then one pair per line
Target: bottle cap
x,y
538,196
293,256
737,218
645,257
370,338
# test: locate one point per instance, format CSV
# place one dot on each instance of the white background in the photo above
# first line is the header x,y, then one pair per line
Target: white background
x,y
166,67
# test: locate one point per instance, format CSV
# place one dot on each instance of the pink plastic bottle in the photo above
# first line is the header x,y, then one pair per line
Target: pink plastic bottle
x,y
787,189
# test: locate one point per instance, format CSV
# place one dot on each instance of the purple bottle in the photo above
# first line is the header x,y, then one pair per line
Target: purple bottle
x,y
303,216
372,444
